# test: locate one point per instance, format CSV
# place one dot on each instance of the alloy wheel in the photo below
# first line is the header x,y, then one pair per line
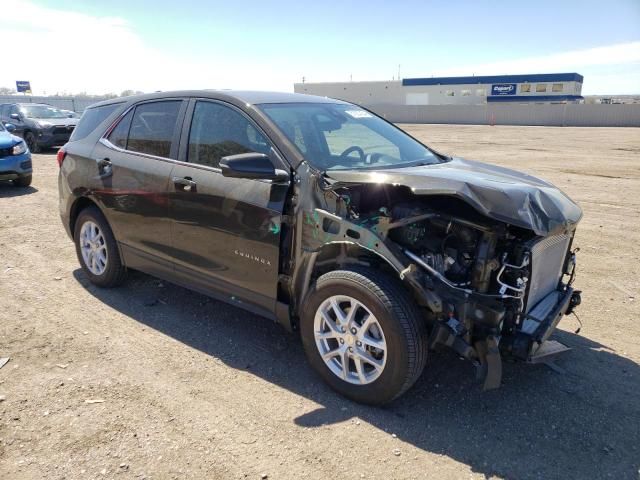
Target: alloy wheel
x,y
350,340
93,248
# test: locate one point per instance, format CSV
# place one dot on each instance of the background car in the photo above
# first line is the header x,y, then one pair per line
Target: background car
x,y
15,158
71,113
40,125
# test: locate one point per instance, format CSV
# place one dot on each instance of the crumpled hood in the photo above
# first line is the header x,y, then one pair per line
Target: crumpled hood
x,y
8,140
497,192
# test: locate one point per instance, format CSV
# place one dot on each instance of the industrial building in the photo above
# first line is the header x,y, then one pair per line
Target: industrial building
x,y
474,90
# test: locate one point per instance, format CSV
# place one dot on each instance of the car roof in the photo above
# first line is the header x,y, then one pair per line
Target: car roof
x,y
29,104
234,96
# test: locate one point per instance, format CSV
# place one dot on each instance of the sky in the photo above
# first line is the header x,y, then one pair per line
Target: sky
x,y
109,46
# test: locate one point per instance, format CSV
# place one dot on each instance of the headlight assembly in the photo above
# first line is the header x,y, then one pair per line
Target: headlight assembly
x,y
19,148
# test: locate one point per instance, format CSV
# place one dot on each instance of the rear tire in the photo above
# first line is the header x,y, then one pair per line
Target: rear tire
x,y
23,181
97,249
400,337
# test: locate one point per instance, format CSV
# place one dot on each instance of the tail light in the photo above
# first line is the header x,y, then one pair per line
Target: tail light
x,y
61,156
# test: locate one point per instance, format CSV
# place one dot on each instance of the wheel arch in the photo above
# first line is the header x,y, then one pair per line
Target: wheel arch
x,y
78,205
81,203
338,255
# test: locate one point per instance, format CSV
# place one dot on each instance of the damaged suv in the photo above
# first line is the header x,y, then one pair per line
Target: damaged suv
x,y
324,217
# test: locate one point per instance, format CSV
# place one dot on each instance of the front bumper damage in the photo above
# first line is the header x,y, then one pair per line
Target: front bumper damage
x,y
528,346
471,323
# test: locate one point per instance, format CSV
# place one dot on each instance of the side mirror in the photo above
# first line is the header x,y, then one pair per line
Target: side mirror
x,y
15,116
10,127
251,165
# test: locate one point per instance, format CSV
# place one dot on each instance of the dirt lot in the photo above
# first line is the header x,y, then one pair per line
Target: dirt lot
x,y
192,388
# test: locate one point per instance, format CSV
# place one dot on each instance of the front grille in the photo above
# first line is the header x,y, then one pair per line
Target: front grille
x,y
547,260
63,130
6,152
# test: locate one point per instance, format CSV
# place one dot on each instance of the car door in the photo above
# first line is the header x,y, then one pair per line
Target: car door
x,y
133,163
226,231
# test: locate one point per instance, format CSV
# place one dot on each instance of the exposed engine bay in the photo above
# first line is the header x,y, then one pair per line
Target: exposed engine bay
x,y
491,290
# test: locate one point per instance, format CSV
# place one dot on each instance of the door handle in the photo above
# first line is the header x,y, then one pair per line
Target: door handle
x,y
105,169
186,184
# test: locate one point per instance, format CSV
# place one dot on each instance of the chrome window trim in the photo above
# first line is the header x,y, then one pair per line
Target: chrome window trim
x,y
206,168
116,121
105,141
110,145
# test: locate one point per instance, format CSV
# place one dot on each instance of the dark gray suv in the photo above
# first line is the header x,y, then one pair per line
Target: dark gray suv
x,y
40,125
322,216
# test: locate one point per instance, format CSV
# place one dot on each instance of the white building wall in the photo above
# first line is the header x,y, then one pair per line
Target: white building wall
x,y
364,93
394,93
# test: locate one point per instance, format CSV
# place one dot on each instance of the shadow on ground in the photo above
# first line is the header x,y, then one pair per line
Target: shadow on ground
x,y
8,189
584,423
48,151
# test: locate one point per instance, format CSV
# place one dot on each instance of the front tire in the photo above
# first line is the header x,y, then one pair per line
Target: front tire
x,y
32,142
23,181
364,334
97,249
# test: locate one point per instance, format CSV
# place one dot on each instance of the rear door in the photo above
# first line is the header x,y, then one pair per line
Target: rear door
x,y
226,231
133,164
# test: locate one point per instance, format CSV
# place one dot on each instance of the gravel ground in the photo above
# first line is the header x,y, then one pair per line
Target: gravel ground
x,y
153,381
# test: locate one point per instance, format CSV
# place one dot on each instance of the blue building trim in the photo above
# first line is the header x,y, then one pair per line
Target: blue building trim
x,y
533,78
534,98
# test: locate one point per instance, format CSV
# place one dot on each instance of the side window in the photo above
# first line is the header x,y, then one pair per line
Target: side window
x,y
119,134
152,128
218,131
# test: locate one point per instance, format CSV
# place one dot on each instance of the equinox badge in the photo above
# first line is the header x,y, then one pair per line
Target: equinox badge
x,y
250,256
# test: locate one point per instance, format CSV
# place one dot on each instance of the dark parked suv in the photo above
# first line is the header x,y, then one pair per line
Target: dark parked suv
x,y
322,216
41,125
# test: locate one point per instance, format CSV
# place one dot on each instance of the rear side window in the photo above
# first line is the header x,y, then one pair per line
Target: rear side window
x,y
90,120
152,128
119,134
218,131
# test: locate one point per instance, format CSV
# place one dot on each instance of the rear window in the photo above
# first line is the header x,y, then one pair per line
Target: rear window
x,y
90,120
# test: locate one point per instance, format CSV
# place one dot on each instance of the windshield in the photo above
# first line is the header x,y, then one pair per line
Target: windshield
x,y
335,136
41,111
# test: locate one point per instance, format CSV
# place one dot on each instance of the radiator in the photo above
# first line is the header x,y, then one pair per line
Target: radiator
x,y
547,259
